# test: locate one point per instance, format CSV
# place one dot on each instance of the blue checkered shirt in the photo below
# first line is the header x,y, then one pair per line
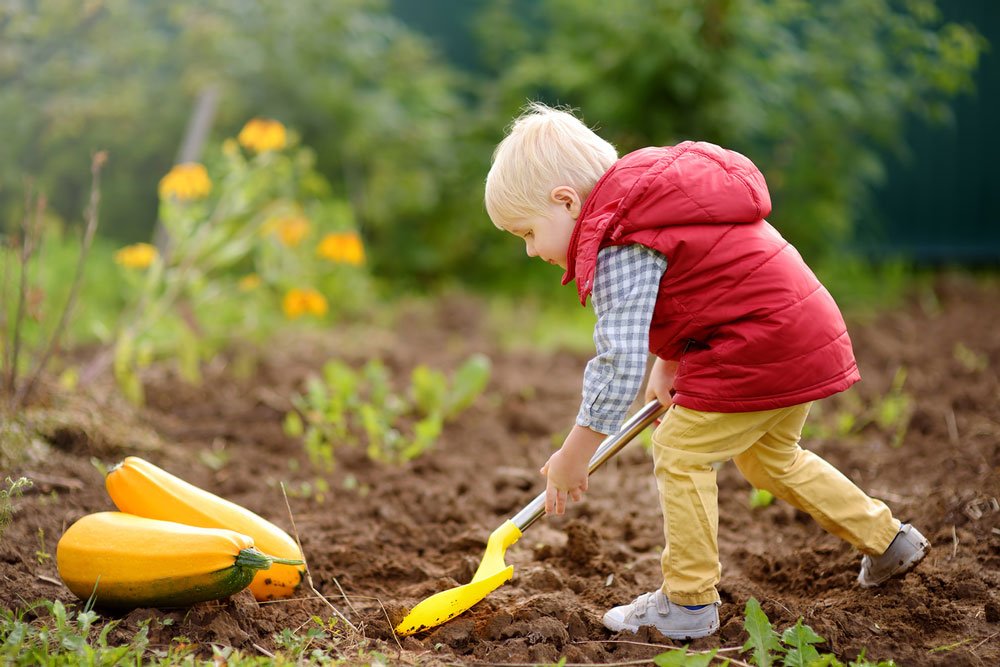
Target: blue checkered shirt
x,y
626,283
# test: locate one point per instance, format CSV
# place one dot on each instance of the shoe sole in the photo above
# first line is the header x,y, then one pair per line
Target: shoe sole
x,y
905,567
614,627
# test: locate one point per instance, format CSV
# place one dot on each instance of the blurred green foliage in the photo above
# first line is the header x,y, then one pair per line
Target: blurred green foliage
x,y
363,90
398,427
815,93
102,295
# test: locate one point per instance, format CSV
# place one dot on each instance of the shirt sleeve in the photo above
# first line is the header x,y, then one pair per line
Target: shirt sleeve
x,y
626,285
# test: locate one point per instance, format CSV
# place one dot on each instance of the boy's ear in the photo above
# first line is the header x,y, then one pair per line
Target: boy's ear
x,y
568,197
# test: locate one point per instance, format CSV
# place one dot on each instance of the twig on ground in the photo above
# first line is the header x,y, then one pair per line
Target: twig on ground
x,y
51,580
984,641
954,542
309,579
889,495
389,621
347,599
727,649
264,651
949,418
624,663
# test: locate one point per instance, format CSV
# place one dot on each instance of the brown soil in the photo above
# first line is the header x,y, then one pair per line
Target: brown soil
x,y
391,536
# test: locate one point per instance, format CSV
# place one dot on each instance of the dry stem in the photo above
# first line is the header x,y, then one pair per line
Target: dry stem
x,y
29,233
309,579
96,164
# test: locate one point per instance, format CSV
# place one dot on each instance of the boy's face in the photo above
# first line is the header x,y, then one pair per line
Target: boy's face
x,y
546,236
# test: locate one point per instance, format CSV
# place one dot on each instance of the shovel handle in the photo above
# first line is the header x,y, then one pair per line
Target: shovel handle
x,y
611,446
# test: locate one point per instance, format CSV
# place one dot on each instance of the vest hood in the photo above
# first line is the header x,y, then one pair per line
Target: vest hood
x,y
691,183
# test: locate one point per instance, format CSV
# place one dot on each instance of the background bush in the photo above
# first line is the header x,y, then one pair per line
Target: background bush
x,y
816,94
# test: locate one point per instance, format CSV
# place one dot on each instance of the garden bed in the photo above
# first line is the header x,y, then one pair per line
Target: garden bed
x,y
381,538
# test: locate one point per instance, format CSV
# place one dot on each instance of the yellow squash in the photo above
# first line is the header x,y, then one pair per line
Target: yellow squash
x,y
128,561
138,487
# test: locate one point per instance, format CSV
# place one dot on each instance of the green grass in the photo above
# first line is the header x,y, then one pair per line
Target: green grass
x,y
49,634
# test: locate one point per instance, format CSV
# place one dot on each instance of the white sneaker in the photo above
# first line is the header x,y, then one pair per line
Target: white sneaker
x,y
671,620
906,550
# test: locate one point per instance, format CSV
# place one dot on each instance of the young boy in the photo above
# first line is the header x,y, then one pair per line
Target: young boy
x,y
672,247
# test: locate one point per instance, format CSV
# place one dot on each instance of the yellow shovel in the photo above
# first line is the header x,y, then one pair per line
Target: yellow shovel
x,y
492,572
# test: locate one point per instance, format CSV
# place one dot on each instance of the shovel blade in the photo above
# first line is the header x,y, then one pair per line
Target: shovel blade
x,y
492,574
445,605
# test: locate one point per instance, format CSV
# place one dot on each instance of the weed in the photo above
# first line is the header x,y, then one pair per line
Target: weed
x,y
18,390
894,410
14,488
42,555
217,457
795,647
66,637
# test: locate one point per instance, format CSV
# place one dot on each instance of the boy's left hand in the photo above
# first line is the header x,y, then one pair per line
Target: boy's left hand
x,y
567,470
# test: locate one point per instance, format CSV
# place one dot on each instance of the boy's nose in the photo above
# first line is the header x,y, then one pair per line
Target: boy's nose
x,y
529,247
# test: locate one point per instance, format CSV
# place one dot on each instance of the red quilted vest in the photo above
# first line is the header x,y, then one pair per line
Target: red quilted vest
x,y
752,327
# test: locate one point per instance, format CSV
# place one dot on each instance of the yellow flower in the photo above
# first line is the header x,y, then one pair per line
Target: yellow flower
x,y
263,134
289,230
136,256
185,182
344,247
249,282
299,302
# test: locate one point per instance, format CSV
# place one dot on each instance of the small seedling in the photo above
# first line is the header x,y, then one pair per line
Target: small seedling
x,y
42,555
760,498
972,361
348,407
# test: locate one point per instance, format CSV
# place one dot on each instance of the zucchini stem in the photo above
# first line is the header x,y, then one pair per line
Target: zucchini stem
x,y
254,558
287,561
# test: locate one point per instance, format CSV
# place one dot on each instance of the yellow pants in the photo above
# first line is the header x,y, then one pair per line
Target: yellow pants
x,y
765,447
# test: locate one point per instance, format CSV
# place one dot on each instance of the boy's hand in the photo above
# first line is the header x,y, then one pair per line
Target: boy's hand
x,y
661,382
567,469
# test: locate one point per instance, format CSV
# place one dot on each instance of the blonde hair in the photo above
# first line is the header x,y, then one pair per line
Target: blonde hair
x,y
543,149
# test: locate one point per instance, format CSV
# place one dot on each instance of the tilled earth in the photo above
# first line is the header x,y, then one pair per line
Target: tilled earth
x,y
381,538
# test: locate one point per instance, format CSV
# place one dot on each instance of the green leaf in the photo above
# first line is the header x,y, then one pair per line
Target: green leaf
x,y
763,639
293,426
428,388
679,657
468,383
801,639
